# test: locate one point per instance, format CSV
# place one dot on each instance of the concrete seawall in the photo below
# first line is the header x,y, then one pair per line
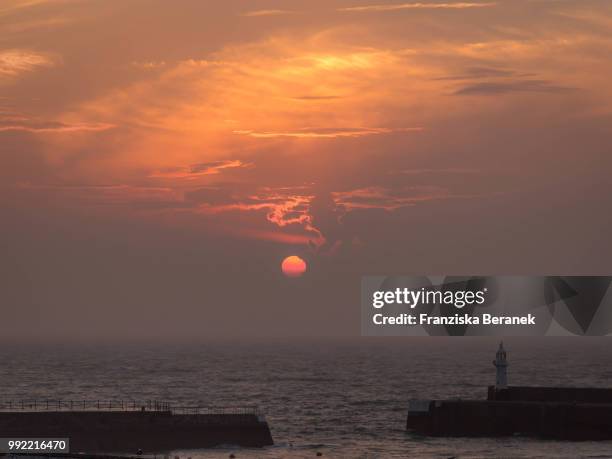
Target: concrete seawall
x,y
555,420
129,431
550,394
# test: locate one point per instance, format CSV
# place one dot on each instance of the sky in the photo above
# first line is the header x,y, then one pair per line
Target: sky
x,y
159,160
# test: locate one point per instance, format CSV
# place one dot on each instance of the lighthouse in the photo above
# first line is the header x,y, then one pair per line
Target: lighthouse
x,y
501,364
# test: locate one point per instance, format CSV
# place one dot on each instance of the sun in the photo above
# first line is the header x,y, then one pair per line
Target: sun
x,y
293,266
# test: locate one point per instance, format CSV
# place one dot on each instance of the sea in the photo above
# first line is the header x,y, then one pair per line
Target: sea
x,y
342,399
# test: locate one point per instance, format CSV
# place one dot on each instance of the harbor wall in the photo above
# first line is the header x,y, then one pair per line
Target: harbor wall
x,y
551,394
108,431
566,421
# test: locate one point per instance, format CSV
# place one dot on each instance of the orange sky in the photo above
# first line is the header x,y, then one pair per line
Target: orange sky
x,y
337,130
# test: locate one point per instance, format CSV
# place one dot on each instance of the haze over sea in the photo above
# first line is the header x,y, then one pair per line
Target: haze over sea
x,y
344,399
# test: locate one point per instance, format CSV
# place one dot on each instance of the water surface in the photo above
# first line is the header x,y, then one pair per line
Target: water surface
x,y
346,400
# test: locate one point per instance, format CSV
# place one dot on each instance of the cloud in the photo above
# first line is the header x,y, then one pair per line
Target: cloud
x,y
36,24
283,208
330,212
596,17
317,97
319,216
107,195
346,81
149,65
444,171
326,217
494,81
213,196
198,170
326,133
12,6
496,88
260,13
479,72
286,208
15,62
274,236
7,125
376,197
413,6
272,88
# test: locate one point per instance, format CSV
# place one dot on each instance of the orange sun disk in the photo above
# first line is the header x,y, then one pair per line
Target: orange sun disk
x,y
293,266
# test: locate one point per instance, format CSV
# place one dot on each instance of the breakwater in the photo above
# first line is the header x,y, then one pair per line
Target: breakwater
x,y
484,418
152,427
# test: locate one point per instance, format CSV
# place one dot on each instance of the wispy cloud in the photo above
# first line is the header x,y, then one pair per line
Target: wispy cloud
x,y
444,171
376,197
14,62
198,170
326,133
316,98
108,195
474,73
281,238
149,65
287,208
259,13
7,124
415,6
495,88
12,6
35,24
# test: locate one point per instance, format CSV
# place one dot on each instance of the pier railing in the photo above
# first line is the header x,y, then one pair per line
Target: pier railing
x,y
123,405
84,405
214,410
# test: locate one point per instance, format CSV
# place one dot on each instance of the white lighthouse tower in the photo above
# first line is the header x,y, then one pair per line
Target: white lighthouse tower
x,y
501,364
